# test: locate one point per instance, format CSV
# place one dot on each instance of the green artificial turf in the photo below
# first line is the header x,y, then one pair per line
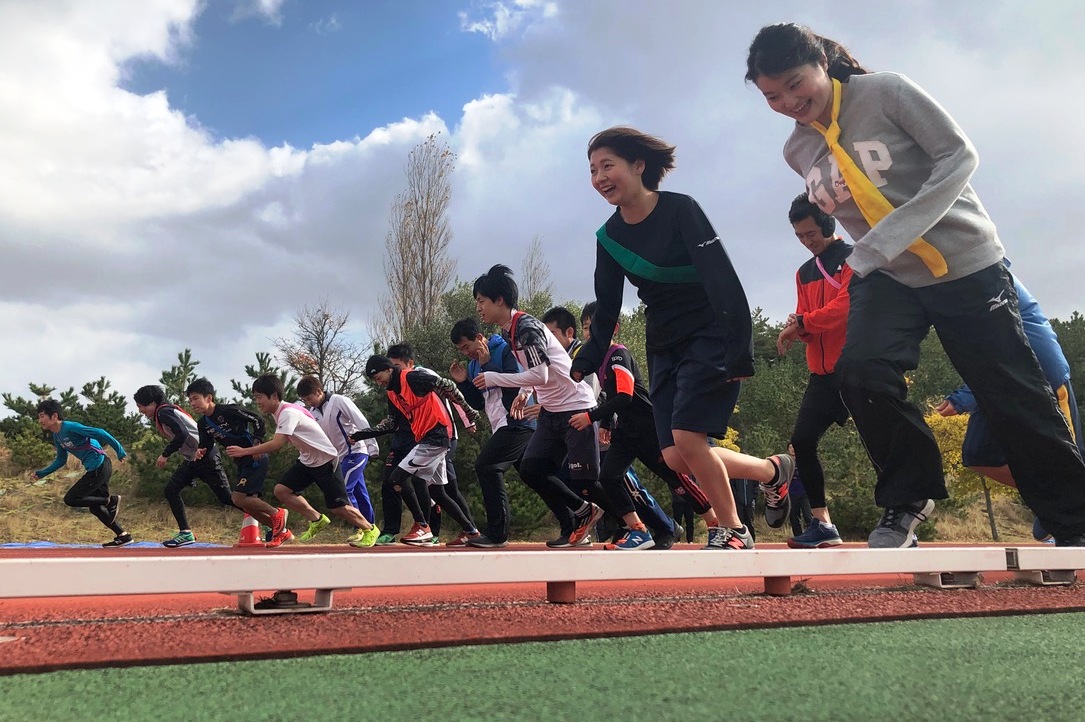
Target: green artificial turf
x,y
1003,668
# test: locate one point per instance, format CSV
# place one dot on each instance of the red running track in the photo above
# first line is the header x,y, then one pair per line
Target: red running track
x,y
39,635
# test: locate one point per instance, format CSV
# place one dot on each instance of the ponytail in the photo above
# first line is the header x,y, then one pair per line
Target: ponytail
x,y
841,63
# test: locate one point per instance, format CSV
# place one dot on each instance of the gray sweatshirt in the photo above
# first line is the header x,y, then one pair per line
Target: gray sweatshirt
x,y
921,161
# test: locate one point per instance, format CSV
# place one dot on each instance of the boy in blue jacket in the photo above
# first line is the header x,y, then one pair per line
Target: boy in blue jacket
x,y
92,489
510,432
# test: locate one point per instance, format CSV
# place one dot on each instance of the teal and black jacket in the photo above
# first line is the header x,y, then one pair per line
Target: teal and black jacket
x,y
682,273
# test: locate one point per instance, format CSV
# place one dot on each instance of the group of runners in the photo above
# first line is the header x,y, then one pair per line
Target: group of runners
x,y
877,154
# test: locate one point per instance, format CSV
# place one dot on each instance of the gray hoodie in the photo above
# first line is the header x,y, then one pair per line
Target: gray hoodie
x,y
921,161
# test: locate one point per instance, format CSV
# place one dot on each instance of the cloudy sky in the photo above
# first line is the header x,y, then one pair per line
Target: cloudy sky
x,y
179,174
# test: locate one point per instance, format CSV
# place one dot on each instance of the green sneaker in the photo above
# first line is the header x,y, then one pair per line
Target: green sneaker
x,y
385,539
435,541
365,538
314,528
182,539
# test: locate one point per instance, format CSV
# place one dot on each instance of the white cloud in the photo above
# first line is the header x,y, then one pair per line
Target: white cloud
x,y
326,25
269,10
135,234
501,20
129,233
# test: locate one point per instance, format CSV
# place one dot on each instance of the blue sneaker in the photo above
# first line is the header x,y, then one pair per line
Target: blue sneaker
x,y
1038,532
817,536
634,539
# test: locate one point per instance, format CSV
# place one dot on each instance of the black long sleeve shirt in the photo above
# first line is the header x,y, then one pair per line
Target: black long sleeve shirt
x,y
683,275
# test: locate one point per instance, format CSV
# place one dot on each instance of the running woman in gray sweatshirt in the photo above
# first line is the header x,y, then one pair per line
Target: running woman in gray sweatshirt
x,y
934,260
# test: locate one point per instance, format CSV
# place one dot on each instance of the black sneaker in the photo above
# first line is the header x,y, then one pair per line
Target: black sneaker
x,y
664,541
560,543
1075,540
120,541
112,507
484,542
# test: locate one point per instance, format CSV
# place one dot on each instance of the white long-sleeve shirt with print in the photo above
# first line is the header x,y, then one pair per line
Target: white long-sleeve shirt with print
x,y
340,417
546,367
921,161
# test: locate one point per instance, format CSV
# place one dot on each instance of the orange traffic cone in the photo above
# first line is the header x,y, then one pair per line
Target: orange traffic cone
x,y
250,534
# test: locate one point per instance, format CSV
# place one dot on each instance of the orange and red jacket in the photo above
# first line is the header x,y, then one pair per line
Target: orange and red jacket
x,y
822,307
423,411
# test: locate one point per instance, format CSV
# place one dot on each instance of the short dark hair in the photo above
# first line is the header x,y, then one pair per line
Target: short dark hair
x,y
497,283
147,395
269,385
561,316
465,328
632,145
50,407
779,48
588,312
200,387
802,207
310,385
401,351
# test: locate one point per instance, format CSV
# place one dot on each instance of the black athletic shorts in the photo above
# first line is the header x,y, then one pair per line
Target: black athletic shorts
x,y
251,475
689,387
299,477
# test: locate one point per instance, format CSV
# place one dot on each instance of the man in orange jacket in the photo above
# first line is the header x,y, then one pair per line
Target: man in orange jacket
x,y
819,321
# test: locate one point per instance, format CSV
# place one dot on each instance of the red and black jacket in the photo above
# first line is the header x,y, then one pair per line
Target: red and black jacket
x,y
823,304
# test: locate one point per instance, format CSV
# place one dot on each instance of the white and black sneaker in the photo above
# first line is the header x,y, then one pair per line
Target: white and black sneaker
x,y
122,540
777,500
721,537
894,531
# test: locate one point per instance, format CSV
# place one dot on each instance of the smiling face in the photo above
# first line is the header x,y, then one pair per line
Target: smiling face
x,y
809,234
615,178
49,422
382,377
803,93
266,404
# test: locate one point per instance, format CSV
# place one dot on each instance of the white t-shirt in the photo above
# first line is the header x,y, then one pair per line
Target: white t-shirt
x,y
313,445
340,417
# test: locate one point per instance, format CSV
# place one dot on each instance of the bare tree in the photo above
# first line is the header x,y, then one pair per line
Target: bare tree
x,y
417,264
320,347
535,281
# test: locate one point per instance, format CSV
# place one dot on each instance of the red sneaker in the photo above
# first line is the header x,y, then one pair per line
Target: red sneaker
x,y
281,538
278,523
418,535
461,540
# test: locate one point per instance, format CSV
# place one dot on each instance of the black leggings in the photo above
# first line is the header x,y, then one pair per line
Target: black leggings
x,y
821,408
92,492
210,471
417,495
